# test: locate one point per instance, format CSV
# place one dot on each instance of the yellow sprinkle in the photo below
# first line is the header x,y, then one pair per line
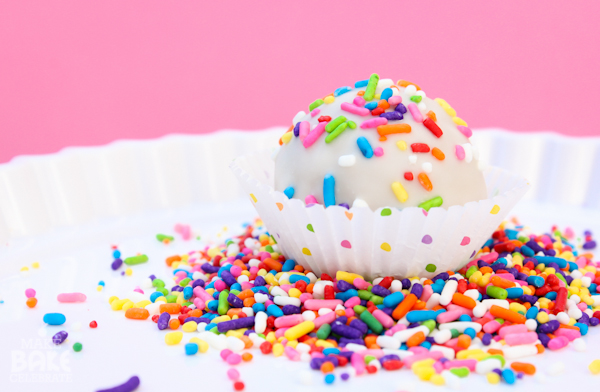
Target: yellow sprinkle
x,y
306,251
117,304
202,345
425,373
261,272
466,354
190,326
24,269
400,192
270,337
219,319
459,121
128,272
278,349
448,109
99,288
495,208
423,363
127,305
323,343
143,304
595,366
329,99
299,330
160,299
385,246
35,265
292,343
493,378
347,276
172,338
401,145
295,293
287,137
437,379
576,283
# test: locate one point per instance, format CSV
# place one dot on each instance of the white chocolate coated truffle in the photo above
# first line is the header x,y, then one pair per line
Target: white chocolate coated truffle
x,y
407,169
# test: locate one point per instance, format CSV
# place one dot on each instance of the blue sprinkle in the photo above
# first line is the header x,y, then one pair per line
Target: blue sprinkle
x,y
329,190
341,90
191,348
371,105
116,253
289,192
329,379
361,83
288,265
471,332
101,283
365,147
508,376
465,317
386,93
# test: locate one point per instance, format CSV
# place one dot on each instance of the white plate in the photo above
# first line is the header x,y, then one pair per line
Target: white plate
x,y
66,210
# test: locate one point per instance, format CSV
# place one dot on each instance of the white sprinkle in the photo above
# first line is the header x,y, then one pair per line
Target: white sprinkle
x,y
347,160
298,117
556,369
412,158
427,167
410,90
359,203
422,107
468,147
579,345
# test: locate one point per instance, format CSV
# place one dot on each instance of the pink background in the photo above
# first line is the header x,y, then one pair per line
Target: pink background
x,y
89,72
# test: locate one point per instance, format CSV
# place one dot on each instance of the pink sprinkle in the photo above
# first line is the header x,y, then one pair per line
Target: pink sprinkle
x,y
360,284
288,321
236,271
570,334
138,290
315,112
415,112
304,129
199,303
30,293
352,302
383,318
395,100
349,312
408,361
427,292
491,327
358,363
316,304
291,353
312,137
557,343
465,130
233,374
184,230
438,367
234,359
305,297
71,297
325,319
359,101
468,363
374,123
310,199
378,152
220,285
348,107
515,339
225,353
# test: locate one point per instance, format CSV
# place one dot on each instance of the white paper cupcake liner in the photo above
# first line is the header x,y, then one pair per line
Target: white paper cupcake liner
x,y
384,242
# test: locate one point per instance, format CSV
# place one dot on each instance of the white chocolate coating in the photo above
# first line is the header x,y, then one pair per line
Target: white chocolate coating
x,y
370,179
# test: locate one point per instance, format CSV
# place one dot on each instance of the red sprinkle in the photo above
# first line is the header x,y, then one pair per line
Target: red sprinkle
x,y
324,118
377,111
408,176
93,324
433,127
419,147
266,347
238,386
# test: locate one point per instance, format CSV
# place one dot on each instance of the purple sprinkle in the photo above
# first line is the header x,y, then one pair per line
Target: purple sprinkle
x,y
345,376
345,205
401,108
163,320
244,322
116,264
472,254
59,337
392,116
427,239
129,386
297,129
589,245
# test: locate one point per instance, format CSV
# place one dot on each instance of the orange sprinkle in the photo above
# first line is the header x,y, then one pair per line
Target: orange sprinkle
x,y
494,351
424,181
405,83
247,357
248,302
327,367
299,268
436,152
526,368
246,294
340,312
360,93
431,115
383,104
427,282
416,339
464,301
272,264
508,315
170,308
195,313
309,288
540,348
403,307
171,259
174,323
390,129
501,282
370,339
420,305
486,270
464,341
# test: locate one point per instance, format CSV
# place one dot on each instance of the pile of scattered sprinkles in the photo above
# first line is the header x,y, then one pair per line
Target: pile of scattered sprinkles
x,y
398,110
520,295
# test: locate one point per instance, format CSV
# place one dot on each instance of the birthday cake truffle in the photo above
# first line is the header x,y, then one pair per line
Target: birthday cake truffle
x,y
379,144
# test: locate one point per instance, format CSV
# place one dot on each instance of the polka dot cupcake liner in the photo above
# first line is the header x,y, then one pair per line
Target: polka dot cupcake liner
x,y
385,242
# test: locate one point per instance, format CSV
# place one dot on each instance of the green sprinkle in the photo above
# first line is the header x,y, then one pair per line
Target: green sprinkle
x,y
435,202
500,320
430,268
162,290
184,282
162,237
315,105
235,292
371,86
310,228
386,212
269,249
364,294
336,132
369,358
223,304
358,309
430,324
498,357
455,333
416,98
351,124
274,239
171,299
158,283
324,331
496,292
472,269
77,347
215,330
371,322
334,123
377,300
461,372
134,260
559,276
188,303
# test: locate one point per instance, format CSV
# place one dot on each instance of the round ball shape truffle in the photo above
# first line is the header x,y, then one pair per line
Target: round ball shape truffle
x,y
379,144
